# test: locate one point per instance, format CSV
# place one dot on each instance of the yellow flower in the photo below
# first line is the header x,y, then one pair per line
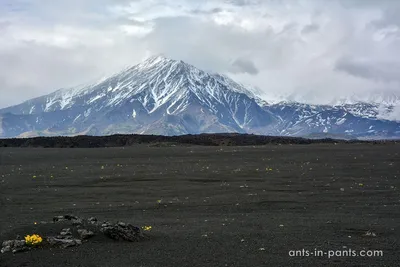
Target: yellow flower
x,y
33,240
146,228
34,176
159,201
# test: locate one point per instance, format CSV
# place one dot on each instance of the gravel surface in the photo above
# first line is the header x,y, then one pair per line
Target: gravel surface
x,y
208,206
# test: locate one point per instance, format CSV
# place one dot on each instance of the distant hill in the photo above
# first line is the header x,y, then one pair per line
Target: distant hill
x,y
227,139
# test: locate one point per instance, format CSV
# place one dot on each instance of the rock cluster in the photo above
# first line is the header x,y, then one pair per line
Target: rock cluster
x,y
64,239
122,231
85,234
85,228
14,246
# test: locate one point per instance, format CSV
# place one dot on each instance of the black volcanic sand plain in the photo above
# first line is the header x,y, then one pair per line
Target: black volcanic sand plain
x,y
220,206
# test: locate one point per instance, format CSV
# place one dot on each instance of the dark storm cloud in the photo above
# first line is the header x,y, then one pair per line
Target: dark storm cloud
x,y
244,66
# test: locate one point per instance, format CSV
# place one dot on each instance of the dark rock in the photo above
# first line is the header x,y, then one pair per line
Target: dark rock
x,y
122,231
63,242
64,239
85,234
66,232
59,218
77,222
71,217
92,220
14,246
106,224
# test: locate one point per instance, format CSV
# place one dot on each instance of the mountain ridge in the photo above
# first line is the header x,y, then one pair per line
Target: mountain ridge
x,y
170,97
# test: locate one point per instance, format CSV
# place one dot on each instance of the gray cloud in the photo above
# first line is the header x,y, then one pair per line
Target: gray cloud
x,y
4,24
241,2
242,65
382,71
210,11
389,9
310,28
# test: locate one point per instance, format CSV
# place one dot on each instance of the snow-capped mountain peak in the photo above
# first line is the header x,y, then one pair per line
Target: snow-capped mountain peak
x,y
155,89
166,96
153,61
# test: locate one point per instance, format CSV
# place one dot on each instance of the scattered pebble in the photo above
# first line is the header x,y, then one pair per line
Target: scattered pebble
x,y
370,233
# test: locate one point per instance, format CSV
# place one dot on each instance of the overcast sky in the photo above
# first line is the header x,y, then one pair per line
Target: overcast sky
x,y
317,49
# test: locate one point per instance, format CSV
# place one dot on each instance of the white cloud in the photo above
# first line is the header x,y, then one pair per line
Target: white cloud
x,y
136,30
316,49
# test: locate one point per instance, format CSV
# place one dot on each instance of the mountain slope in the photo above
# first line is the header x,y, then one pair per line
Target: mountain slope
x,y
160,96
169,97
298,119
